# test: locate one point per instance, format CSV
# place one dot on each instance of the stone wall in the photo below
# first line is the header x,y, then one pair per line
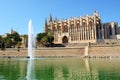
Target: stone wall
x,y
112,41
13,53
45,52
60,52
93,51
104,51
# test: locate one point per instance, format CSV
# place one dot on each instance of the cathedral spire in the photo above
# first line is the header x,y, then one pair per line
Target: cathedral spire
x,y
96,13
50,18
45,25
45,22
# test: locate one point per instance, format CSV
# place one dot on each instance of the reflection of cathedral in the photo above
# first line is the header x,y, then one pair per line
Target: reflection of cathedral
x,y
82,29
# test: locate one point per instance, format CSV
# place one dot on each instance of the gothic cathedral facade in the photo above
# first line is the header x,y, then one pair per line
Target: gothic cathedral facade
x,y
82,29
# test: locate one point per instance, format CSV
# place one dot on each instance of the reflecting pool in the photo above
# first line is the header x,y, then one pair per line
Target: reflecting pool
x,y
59,69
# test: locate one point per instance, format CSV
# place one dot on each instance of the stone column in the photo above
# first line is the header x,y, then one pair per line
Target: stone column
x,y
99,31
69,31
89,32
78,33
102,31
75,28
81,33
73,33
68,26
92,34
61,27
85,31
105,33
80,29
94,28
87,22
89,29
113,28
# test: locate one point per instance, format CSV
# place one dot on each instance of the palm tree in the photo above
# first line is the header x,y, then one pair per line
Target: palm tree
x,y
44,40
50,36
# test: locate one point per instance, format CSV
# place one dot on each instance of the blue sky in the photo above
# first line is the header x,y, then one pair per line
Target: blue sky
x,y
16,13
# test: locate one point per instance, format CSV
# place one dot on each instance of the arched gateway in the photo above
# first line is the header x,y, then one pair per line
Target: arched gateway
x,y
65,39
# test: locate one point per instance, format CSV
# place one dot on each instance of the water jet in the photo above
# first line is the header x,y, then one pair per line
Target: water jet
x,y
31,41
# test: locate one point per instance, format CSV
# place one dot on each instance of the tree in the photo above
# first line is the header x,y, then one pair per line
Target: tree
x,y
12,40
44,41
15,38
2,45
0,38
8,41
50,37
40,36
45,38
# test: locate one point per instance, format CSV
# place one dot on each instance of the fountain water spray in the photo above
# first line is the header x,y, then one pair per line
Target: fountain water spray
x,y
31,50
30,70
31,40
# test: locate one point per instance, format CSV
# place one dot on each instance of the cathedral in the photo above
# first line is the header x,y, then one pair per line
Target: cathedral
x,y
85,29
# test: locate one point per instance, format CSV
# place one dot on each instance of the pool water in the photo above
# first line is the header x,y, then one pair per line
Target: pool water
x,y
59,69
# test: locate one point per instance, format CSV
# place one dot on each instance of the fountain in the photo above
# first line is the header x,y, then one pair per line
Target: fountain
x,y
31,41
30,70
31,50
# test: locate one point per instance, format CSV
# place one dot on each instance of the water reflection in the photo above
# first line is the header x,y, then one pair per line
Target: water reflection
x,y
11,69
60,69
30,70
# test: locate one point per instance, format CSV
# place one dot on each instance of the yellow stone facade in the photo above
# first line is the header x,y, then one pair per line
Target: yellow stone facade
x,y
24,42
83,29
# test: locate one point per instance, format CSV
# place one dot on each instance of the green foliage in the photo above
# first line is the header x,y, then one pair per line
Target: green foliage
x,y
12,40
16,38
40,36
2,45
45,38
0,38
50,37
50,33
